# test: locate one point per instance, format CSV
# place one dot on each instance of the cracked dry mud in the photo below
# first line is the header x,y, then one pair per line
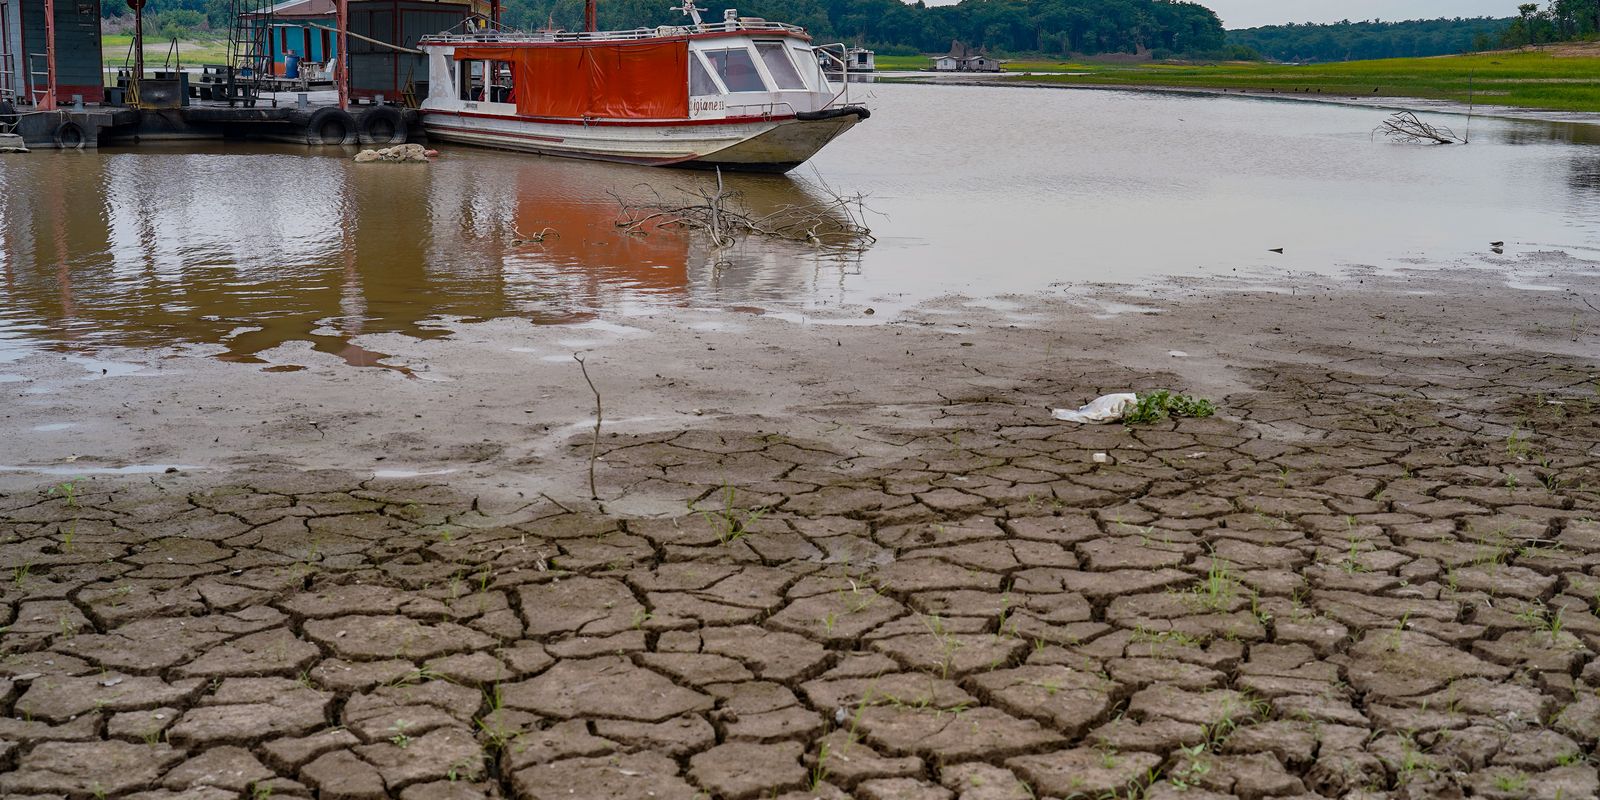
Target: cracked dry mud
x,y
1372,579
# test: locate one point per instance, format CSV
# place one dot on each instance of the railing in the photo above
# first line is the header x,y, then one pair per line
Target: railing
x,y
38,78
762,109
844,70
545,37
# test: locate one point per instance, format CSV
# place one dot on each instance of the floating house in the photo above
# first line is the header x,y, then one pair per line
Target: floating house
x,y
25,45
306,31
962,58
860,59
397,76
298,30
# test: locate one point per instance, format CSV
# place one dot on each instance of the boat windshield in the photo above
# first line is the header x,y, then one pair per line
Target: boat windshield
x,y
737,70
779,66
700,83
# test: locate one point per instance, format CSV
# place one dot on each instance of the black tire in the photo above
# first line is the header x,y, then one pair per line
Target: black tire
x,y
384,126
8,113
69,136
331,126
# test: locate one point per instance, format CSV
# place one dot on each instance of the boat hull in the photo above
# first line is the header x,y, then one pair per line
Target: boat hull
x,y
776,144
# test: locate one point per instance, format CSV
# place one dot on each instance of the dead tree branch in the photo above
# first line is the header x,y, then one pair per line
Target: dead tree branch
x,y
1407,128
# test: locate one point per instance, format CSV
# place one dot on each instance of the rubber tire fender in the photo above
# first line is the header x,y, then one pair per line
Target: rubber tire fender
x,y
331,126
69,136
384,126
8,113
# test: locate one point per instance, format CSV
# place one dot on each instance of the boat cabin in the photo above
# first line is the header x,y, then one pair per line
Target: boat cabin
x,y
740,68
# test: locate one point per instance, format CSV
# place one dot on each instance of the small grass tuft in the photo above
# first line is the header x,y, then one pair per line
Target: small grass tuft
x,y
1160,404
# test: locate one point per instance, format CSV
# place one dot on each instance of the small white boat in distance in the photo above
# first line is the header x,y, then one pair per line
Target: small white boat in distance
x,y
740,94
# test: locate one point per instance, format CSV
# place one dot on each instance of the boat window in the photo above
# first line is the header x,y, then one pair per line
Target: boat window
x,y
737,70
779,66
700,83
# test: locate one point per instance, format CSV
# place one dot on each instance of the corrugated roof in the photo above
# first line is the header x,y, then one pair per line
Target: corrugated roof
x,y
301,8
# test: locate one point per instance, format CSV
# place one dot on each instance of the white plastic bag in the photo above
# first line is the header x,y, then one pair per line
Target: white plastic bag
x,y
1104,409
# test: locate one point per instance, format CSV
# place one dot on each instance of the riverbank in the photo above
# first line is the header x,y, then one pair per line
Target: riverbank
x,y
1559,78
827,556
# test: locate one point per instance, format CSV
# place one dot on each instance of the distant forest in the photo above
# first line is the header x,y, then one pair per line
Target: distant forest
x,y
1536,23
1157,28
1054,27
1351,41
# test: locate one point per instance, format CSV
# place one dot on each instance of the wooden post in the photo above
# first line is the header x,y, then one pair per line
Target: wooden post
x,y
590,22
49,103
343,7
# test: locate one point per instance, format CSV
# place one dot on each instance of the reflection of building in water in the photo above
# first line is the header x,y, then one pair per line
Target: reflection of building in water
x,y
55,242
156,249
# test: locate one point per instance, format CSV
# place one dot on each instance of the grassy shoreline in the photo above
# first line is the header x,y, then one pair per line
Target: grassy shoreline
x,y
1552,79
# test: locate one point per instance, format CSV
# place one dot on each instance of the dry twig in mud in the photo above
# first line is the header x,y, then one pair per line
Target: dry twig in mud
x,y
1407,128
832,220
594,444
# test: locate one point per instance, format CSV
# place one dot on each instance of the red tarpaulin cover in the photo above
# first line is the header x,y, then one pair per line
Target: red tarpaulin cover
x,y
615,80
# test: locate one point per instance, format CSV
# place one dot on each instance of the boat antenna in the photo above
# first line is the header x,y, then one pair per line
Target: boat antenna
x,y
689,10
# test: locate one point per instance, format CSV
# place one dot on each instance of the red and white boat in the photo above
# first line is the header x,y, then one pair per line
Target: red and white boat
x,y
742,93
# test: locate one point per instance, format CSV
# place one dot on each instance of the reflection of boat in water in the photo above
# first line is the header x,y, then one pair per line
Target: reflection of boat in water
x,y
742,93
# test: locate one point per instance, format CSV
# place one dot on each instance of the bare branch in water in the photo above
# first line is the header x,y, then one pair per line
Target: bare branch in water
x,y
1407,128
833,220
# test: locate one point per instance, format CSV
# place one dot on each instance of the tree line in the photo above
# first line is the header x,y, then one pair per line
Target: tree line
x,y
1353,41
1052,27
1157,28
1557,21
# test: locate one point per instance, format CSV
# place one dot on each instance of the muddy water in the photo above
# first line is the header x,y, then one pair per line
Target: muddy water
x,y
236,249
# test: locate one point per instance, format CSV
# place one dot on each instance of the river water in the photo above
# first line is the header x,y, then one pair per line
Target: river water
x,y
974,190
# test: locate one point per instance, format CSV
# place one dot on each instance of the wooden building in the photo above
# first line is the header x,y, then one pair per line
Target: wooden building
x,y
962,58
25,45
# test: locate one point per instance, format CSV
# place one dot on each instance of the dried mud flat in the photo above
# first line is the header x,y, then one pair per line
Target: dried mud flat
x,y
1375,573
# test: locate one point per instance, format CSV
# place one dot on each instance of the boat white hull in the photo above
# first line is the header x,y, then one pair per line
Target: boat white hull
x,y
762,145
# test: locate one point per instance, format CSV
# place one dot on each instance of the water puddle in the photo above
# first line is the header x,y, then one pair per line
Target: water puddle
x,y
411,473
99,368
1110,310
69,469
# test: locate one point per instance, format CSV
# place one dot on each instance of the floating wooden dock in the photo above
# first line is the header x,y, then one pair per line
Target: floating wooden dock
x,y
95,126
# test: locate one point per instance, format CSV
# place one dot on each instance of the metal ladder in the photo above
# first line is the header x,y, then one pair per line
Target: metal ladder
x,y
8,89
249,52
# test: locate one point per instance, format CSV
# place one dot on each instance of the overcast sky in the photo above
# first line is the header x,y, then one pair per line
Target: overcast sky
x,y
1250,13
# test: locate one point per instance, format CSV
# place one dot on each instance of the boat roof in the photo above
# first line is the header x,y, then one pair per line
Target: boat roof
x,y
735,27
